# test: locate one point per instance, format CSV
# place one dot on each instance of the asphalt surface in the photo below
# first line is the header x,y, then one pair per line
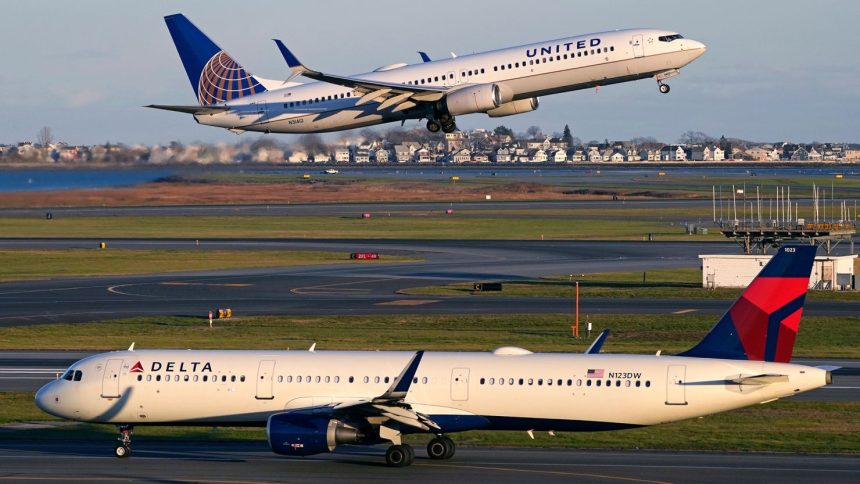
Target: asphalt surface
x,y
370,288
252,463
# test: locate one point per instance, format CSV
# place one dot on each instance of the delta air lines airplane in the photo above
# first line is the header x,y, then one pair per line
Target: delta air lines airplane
x,y
313,401
498,83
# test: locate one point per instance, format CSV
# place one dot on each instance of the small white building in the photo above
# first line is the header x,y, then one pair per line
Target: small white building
x,y
828,272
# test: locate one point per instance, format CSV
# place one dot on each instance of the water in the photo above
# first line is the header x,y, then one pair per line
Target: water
x,y
44,180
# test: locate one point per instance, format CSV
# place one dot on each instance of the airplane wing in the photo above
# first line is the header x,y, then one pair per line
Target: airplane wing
x,y
190,109
389,405
397,96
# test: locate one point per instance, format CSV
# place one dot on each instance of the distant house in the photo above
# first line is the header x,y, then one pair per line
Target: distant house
x,y
558,156
799,154
594,154
342,155
403,153
617,156
504,155
577,154
424,156
538,156
481,157
757,154
694,153
814,155
382,155
362,155
463,155
673,153
322,157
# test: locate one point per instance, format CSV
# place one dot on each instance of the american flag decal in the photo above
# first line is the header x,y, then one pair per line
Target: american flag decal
x,y
594,373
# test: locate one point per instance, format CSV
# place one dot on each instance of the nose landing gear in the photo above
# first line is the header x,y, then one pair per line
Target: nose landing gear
x,y
664,88
123,448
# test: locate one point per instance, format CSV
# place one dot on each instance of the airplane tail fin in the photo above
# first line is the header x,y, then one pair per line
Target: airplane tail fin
x,y
762,324
214,75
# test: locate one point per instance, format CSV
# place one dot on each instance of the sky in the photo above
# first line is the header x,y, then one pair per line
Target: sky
x,y
774,70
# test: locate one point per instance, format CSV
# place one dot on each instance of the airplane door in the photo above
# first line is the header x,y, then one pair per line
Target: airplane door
x,y
676,392
451,80
263,107
638,49
110,380
460,384
265,380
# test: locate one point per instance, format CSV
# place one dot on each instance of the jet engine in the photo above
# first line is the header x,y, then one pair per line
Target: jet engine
x,y
294,434
515,107
474,99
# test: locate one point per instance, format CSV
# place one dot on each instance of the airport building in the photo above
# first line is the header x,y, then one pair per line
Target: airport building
x,y
833,273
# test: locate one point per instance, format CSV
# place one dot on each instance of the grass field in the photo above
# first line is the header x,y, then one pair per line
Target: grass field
x,y
819,336
657,284
20,264
380,226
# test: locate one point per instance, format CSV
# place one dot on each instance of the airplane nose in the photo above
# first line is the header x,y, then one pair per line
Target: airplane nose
x,y
695,44
44,399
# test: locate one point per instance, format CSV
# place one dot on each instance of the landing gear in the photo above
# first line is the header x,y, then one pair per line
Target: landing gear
x,y
123,448
664,88
444,122
441,447
399,455
433,126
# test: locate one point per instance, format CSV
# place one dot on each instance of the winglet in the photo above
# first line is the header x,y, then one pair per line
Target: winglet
x,y
424,56
292,61
401,385
131,348
598,343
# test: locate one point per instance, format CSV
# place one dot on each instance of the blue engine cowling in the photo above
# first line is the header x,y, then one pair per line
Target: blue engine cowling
x,y
297,434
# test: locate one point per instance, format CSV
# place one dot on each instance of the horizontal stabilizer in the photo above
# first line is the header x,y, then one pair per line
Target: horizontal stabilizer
x,y
190,109
759,379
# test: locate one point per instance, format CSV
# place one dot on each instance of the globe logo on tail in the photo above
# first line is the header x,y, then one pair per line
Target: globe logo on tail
x,y
223,80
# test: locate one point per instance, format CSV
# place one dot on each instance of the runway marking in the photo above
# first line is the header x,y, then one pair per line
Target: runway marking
x,y
537,471
114,290
234,284
407,302
128,479
685,311
324,288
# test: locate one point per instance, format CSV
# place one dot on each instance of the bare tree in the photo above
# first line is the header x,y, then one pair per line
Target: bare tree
x,y
45,136
534,132
695,138
313,144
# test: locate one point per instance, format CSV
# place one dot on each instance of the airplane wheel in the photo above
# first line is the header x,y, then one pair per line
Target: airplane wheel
x,y
451,447
437,449
449,127
122,451
399,456
433,126
664,88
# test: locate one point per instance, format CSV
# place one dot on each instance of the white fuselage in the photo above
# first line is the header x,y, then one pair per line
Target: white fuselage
x,y
520,72
461,391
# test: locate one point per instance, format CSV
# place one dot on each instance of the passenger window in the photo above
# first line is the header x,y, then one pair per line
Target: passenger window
x,y
366,379
242,378
510,381
289,378
647,383
195,378
549,381
233,379
501,381
351,379
483,381
482,71
280,378
424,380
205,378
492,381
299,379
579,382
318,379
223,378
337,379
531,381
68,375
521,381
599,382
386,379
540,381
588,383
612,49
186,377
495,68
638,383
436,78
157,377
376,380
148,377
627,383
415,380
139,377
617,383
328,379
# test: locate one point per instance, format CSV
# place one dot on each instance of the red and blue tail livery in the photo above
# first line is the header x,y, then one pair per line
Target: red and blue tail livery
x,y
762,324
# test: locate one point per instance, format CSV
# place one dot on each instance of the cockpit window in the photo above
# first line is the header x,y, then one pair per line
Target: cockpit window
x,y
78,375
68,375
670,38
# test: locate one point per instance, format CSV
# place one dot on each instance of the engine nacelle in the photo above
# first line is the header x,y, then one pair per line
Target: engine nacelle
x,y
292,434
515,107
474,99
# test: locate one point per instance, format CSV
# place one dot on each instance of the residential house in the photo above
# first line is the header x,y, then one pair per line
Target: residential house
x,y
757,154
558,156
342,155
463,155
504,155
382,155
538,156
424,156
362,155
673,153
799,154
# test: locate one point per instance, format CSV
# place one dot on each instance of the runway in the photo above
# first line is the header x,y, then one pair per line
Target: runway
x,y
371,288
253,463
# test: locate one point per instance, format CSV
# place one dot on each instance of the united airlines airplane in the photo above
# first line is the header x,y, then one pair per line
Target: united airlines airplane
x,y
313,401
498,83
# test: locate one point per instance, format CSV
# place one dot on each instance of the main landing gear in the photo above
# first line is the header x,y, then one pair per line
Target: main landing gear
x,y
441,447
445,123
664,88
123,448
402,455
